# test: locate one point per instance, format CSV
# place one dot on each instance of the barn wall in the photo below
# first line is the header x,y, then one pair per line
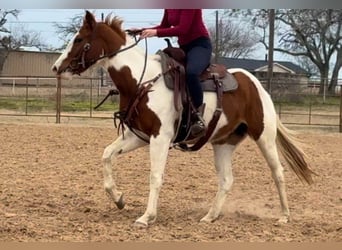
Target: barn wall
x,y
37,64
20,63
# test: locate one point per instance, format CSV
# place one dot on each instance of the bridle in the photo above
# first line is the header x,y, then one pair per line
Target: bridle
x,y
79,60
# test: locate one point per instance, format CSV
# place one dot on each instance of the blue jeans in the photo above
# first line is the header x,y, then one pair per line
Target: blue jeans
x,y
198,55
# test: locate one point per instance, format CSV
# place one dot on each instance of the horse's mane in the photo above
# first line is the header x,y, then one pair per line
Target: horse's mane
x,y
115,24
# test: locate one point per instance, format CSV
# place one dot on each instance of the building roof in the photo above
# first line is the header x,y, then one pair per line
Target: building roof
x,y
29,51
253,65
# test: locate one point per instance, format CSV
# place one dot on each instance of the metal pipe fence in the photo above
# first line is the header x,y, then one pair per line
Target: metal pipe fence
x,y
46,97
296,104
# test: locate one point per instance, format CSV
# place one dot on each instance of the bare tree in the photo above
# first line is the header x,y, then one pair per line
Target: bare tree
x,y
305,63
315,34
21,37
65,31
234,39
4,32
18,37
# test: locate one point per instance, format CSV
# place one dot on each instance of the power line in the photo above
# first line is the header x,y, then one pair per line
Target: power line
x,y
52,22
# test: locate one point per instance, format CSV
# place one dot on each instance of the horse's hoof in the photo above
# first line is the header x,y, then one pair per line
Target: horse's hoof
x,y
140,225
206,220
282,220
210,219
120,203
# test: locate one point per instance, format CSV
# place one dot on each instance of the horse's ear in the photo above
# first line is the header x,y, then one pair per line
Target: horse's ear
x,y
89,20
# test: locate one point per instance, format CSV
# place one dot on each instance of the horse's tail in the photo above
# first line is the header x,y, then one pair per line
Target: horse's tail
x,y
289,147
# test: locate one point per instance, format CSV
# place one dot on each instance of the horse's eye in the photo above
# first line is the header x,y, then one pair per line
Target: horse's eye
x,y
78,40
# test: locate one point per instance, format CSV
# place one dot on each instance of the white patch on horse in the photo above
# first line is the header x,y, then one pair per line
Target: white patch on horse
x,y
160,97
65,75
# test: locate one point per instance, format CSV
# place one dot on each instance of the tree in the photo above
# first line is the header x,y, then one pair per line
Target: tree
x,y
234,39
18,37
4,14
65,31
314,34
4,38
305,63
21,38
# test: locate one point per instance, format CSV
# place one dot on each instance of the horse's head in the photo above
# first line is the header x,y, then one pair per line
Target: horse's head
x,y
91,43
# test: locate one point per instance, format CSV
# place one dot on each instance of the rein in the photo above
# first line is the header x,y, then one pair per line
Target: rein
x,y
119,51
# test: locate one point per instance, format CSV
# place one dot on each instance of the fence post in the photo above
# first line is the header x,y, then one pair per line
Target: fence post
x,y
91,98
58,100
26,97
13,87
341,109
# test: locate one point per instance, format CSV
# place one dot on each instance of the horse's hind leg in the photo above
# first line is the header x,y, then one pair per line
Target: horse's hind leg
x,y
223,154
267,145
121,145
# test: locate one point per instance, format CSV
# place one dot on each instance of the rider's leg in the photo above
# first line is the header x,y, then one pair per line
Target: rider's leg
x,y
198,56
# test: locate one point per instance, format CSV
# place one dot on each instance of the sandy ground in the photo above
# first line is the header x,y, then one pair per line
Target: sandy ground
x,y
51,189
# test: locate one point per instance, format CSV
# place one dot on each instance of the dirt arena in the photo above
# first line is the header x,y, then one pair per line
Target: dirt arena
x,y
51,189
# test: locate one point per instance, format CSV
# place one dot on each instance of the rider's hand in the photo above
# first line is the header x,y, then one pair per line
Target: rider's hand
x,y
148,33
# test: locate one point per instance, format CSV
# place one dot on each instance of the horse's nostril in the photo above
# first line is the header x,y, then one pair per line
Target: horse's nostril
x,y
54,69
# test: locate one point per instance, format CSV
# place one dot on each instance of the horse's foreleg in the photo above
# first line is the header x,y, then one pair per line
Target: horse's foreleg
x,y
159,148
119,146
223,165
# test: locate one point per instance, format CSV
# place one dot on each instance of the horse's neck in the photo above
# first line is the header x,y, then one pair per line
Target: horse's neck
x,y
127,67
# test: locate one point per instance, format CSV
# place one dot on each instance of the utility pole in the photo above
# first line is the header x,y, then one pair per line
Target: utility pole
x,y
217,37
101,70
271,17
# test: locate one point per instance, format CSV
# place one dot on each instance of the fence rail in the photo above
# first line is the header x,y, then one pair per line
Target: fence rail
x,y
297,104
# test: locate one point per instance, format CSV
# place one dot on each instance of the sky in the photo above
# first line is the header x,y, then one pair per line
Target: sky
x,y
41,20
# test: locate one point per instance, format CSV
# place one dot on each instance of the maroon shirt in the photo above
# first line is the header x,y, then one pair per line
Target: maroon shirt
x,y
186,24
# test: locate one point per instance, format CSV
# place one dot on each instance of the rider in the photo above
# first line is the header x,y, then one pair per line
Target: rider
x,y
193,38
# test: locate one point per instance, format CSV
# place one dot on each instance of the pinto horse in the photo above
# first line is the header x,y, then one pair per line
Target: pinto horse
x,y
247,111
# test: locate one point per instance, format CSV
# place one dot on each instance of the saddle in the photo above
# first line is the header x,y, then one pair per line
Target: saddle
x,y
215,79
219,71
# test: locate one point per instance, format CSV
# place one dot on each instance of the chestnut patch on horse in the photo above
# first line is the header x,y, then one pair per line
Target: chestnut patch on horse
x,y
244,111
145,119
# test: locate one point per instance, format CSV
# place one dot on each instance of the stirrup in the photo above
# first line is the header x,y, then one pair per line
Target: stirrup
x,y
198,128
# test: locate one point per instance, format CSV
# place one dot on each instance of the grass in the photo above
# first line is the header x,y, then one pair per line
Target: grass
x,y
40,104
300,106
300,103
308,100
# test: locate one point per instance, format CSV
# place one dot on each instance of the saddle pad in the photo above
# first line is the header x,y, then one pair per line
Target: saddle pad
x,y
229,82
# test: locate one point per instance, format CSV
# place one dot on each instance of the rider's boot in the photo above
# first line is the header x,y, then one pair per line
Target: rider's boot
x,y
198,128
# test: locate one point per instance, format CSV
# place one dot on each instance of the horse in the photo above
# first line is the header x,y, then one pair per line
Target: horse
x,y
246,112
